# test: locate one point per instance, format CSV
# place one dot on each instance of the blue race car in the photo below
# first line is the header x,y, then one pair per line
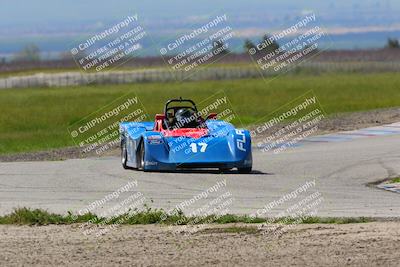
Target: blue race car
x,y
181,139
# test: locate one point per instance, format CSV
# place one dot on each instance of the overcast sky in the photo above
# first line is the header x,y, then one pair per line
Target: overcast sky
x,y
52,24
28,12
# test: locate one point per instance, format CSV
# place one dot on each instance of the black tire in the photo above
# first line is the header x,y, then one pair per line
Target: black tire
x,y
244,170
140,157
124,156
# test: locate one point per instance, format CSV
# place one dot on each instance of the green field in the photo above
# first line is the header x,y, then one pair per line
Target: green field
x,y
38,118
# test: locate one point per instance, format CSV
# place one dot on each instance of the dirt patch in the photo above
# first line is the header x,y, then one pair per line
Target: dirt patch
x,y
359,120
56,154
366,244
344,122
335,123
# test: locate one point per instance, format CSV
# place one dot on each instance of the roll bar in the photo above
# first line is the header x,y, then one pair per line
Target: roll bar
x,y
179,100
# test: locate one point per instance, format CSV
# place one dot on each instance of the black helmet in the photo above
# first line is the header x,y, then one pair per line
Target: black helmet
x,y
185,118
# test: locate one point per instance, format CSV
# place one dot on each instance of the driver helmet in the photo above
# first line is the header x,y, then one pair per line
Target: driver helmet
x,y
185,118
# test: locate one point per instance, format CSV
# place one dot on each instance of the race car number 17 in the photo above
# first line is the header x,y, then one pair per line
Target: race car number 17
x,y
195,147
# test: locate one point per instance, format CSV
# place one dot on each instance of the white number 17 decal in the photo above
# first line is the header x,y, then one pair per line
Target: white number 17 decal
x,y
203,147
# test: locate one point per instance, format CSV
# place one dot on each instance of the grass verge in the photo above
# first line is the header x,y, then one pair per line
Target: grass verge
x,y
26,216
394,180
35,119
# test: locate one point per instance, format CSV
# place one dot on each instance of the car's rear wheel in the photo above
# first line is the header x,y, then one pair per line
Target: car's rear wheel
x,y
244,170
140,157
124,156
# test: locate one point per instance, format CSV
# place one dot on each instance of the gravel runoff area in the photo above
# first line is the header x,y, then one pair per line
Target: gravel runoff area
x,y
334,123
363,244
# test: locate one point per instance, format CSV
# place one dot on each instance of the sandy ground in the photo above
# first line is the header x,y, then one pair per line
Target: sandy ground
x,y
368,244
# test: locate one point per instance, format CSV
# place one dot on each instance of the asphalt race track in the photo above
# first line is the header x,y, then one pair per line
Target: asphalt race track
x,y
341,168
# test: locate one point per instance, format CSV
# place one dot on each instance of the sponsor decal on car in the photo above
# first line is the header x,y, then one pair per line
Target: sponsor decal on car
x,y
154,139
241,140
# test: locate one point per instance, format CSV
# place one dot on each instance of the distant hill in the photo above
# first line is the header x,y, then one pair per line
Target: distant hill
x,y
55,25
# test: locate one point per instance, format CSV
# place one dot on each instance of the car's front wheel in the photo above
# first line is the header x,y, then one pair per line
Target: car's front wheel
x,y
124,156
244,170
140,156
